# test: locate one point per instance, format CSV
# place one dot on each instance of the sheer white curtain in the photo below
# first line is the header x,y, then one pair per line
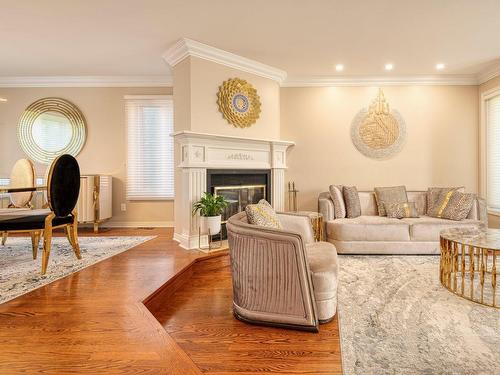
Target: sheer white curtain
x,y
150,147
493,152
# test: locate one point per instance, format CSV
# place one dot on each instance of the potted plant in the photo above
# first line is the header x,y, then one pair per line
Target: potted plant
x,y
210,208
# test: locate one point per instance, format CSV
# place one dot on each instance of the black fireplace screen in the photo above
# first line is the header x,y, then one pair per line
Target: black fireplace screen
x,y
239,197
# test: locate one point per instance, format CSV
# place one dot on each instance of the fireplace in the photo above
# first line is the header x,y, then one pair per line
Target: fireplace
x,y
240,187
244,170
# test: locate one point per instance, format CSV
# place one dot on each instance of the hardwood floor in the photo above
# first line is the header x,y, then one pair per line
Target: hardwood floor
x,y
199,318
95,321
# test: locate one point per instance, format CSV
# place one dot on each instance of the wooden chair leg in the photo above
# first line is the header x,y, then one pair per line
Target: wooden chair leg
x,y
4,237
35,241
47,242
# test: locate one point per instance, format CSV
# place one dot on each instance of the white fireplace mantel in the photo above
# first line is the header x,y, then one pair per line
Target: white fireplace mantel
x,y
200,151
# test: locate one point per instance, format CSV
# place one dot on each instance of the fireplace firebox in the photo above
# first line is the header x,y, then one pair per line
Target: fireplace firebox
x,y
240,187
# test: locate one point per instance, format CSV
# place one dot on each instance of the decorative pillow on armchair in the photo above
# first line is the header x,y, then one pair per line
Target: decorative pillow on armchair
x,y
452,205
401,210
262,214
386,195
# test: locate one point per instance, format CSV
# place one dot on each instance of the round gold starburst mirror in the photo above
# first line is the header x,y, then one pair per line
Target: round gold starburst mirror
x,y
238,102
378,131
51,127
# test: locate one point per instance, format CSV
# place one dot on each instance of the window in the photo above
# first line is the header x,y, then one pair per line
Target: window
x,y
493,152
150,156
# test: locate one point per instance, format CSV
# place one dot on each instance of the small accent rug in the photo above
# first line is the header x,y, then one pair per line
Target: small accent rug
x,y
20,274
396,318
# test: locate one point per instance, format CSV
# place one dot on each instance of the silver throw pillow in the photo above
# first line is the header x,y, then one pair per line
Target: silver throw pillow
x,y
338,201
392,194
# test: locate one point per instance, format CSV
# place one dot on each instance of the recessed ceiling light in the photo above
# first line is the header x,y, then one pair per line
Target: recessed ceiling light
x,y
3,100
339,67
440,66
389,66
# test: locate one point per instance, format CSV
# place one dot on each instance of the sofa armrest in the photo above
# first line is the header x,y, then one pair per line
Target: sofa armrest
x,y
482,211
325,207
295,222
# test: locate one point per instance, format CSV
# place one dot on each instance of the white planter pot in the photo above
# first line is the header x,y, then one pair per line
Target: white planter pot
x,y
212,223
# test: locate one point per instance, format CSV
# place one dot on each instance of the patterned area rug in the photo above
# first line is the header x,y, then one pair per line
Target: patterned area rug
x,y
20,274
396,318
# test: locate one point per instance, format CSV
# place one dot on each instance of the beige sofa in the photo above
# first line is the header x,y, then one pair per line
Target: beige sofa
x,y
373,234
282,277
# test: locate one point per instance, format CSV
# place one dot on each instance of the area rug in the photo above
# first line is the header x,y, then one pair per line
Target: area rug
x,y
396,318
20,274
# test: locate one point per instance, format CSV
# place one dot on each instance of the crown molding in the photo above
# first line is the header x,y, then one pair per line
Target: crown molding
x,y
465,80
86,81
188,47
488,74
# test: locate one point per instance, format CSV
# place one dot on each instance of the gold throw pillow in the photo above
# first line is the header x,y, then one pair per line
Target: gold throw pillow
x,y
263,215
452,205
401,210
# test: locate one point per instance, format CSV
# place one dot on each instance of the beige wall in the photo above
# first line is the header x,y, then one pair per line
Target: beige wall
x,y
494,220
105,149
441,148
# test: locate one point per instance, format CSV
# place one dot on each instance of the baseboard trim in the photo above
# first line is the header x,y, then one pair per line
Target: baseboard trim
x,y
133,224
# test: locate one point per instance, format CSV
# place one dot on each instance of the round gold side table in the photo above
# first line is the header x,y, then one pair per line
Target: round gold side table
x,y
468,264
316,222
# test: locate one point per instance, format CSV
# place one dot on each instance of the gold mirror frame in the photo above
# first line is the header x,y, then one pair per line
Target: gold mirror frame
x,y
62,106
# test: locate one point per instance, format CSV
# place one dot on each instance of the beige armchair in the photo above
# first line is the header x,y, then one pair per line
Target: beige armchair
x,y
281,277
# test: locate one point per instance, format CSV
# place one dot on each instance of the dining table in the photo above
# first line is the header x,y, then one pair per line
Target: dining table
x,y
7,214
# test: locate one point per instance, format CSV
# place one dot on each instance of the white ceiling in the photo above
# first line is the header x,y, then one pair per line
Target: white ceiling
x,y
304,38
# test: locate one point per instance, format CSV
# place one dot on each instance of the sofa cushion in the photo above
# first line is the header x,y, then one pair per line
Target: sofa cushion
x,y
433,194
401,210
428,228
338,201
391,194
322,259
368,228
352,202
452,205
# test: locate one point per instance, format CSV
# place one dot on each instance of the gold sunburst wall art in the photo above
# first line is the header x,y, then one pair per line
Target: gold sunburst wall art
x,y
378,131
238,102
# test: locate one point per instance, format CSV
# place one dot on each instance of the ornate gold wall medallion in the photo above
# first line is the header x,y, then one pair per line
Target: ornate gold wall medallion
x,y
377,131
51,127
238,102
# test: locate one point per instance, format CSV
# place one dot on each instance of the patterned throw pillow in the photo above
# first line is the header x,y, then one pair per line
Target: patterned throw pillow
x,y
433,194
392,194
352,203
452,205
401,210
263,215
338,201
265,203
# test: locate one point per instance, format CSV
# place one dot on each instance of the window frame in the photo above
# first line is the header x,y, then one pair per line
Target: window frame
x,y
145,97
483,146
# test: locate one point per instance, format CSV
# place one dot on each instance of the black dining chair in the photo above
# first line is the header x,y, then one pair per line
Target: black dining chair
x,y
63,187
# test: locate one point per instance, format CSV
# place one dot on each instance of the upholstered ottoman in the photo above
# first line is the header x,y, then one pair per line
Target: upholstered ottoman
x,y
323,264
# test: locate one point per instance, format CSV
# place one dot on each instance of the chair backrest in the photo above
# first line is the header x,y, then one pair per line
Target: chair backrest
x,y
259,254
22,175
63,185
